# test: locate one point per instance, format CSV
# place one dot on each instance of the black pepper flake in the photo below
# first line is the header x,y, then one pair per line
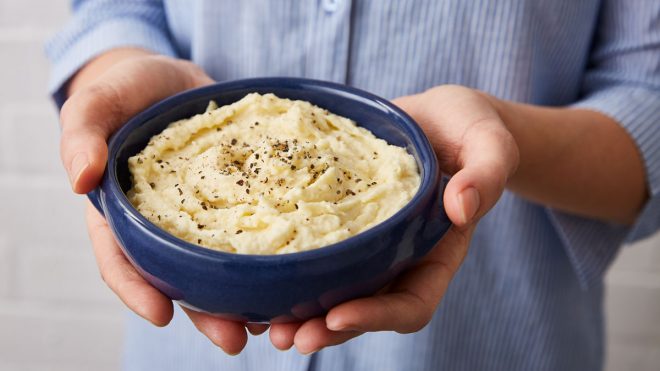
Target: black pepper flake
x,y
358,180
247,190
199,240
293,167
256,155
200,226
183,200
296,205
234,141
139,160
311,166
159,161
350,192
204,207
336,158
240,182
203,176
152,185
239,231
180,191
338,192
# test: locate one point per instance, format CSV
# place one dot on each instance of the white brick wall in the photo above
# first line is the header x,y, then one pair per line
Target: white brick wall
x,y
56,314
6,268
633,308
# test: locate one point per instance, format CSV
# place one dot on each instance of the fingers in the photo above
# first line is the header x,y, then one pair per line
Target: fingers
x,y
230,336
147,301
314,335
412,299
257,328
122,278
282,334
95,111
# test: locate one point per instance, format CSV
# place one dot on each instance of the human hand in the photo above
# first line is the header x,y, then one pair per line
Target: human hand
x,y
475,147
96,109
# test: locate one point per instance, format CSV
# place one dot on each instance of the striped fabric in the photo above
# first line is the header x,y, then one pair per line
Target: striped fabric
x,y
529,295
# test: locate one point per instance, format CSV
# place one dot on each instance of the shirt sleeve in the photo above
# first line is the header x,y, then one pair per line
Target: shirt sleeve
x,y
100,25
622,81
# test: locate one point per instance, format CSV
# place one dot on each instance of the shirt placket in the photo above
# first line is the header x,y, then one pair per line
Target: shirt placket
x,y
328,40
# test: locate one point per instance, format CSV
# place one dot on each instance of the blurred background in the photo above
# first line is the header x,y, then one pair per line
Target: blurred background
x,y
56,313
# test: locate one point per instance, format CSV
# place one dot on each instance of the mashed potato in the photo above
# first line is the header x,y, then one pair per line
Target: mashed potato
x,y
269,176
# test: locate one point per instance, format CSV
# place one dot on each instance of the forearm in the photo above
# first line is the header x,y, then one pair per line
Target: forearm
x,y
575,160
97,66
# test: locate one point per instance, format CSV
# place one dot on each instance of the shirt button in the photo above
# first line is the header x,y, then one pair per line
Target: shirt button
x,y
331,5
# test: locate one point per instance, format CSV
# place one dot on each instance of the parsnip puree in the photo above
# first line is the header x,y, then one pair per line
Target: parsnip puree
x,y
269,176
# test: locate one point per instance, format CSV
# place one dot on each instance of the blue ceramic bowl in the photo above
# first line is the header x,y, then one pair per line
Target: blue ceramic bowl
x,y
275,288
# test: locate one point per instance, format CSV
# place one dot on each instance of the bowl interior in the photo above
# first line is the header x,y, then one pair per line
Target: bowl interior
x,y
367,110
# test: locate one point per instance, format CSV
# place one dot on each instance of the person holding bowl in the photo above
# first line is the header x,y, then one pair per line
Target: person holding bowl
x,y
544,113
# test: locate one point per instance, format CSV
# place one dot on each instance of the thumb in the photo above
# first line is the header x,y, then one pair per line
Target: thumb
x,y
471,142
94,112
487,158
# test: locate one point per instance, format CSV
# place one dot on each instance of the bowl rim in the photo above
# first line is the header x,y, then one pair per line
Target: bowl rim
x,y
428,182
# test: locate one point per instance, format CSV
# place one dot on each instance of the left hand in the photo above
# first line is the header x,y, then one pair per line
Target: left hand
x,y
474,146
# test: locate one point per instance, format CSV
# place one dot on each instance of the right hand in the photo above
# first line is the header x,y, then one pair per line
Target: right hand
x,y
106,93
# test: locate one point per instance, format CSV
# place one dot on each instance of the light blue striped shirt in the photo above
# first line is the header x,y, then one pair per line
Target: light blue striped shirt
x,y
529,295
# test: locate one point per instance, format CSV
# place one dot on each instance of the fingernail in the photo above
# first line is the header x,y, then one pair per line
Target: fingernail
x,y
341,327
311,352
78,165
335,325
468,199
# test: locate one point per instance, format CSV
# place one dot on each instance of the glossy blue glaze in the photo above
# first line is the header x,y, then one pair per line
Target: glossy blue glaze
x,y
275,288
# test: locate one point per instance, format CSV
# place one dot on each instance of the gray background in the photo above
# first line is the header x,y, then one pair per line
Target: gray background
x,y
55,312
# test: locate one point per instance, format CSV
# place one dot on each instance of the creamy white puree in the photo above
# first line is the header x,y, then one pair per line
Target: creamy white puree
x,y
268,176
